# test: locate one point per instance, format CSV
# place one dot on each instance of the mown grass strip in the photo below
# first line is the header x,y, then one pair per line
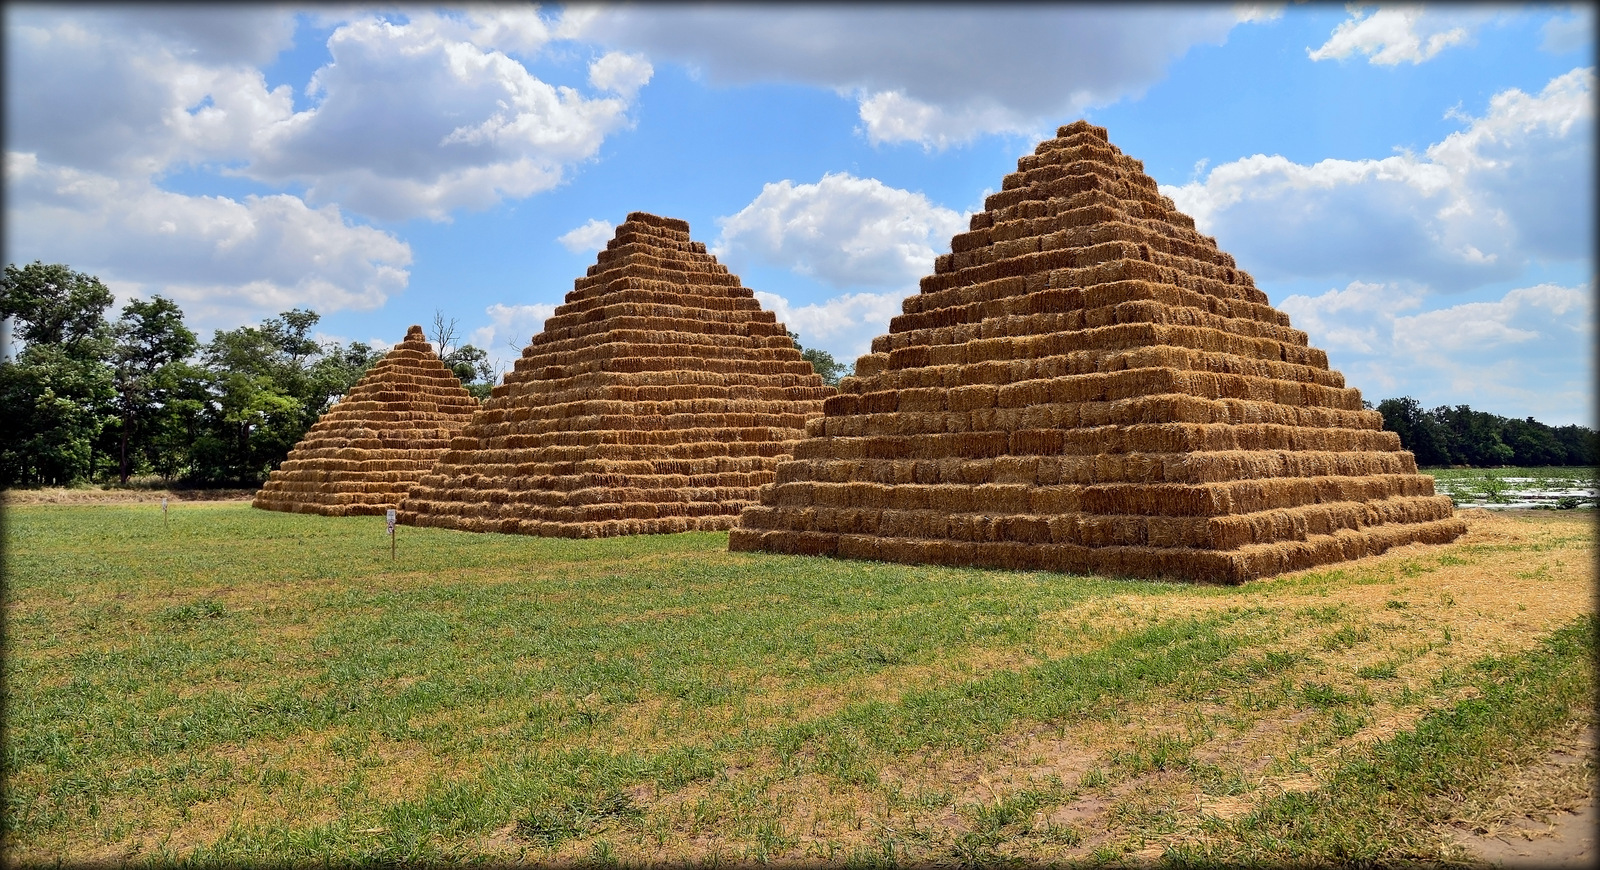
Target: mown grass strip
x,y
1380,804
1181,657
643,694
553,796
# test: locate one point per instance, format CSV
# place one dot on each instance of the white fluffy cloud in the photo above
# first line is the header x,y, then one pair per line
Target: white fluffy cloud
x,y
1527,353
1253,13
1392,35
620,72
1359,318
934,75
418,114
97,93
589,238
1546,311
846,231
850,233
1515,184
509,330
203,34
415,118
223,260
849,322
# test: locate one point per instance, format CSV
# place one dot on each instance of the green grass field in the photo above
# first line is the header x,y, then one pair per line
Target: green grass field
x,y
243,686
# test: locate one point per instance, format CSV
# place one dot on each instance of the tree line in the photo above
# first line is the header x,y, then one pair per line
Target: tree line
x,y
88,398
1461,436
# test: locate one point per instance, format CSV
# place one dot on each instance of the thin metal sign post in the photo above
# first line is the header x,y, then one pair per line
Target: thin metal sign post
x,y
164,521
391,535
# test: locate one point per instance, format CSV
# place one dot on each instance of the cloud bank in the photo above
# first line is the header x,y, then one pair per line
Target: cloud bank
x,y
1513,186
931,75
854,234
1530,349
415,116
591,238
1395,34
843,230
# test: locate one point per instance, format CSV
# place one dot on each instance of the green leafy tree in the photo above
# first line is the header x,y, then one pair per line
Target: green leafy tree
x,y
335,372
250,409
57,390
1580,443
1473,437
1532,443
170,436
1459,435
152,345
265,386
55,410
55,305
1418,431
822,362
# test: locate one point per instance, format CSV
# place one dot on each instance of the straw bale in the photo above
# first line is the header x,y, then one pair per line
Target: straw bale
x,y
1084,344
637,365
373,444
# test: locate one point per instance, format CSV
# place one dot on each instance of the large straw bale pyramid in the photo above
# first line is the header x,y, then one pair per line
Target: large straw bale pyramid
x,y
658,398
1087,384
370,447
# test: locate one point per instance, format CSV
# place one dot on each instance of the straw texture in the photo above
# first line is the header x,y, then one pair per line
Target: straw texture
x,y
371,446
1086,383
658,398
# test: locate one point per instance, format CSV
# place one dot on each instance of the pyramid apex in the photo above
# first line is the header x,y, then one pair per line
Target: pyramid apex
x,y
666,223
997,382
1081,126
399,417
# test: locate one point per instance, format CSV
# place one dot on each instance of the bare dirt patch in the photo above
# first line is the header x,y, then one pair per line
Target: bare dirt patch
x,y
1546,817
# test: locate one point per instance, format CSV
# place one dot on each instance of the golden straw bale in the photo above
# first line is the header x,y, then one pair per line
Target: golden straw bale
x,y
1130,378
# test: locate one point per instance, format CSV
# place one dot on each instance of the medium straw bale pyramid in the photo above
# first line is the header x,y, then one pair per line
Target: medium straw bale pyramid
x,y
1087,384
370,447
658,398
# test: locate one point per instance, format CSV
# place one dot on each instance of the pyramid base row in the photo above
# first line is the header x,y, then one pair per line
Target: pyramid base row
x,y
369,509
549,529
1193,565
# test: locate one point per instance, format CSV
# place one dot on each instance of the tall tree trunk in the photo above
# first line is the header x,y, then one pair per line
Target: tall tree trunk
x,y
244,450
124,466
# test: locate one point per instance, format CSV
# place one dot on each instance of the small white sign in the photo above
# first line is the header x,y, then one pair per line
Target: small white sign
x,y
391,521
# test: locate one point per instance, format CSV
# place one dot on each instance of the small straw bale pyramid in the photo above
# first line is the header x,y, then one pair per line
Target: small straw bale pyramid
x,y
659,398
370,447
1087,384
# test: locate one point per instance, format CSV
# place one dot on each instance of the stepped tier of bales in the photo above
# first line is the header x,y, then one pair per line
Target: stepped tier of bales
x,y
658,398
1088,384
370,447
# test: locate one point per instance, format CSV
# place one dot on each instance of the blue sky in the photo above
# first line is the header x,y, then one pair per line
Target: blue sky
x,y
1412,184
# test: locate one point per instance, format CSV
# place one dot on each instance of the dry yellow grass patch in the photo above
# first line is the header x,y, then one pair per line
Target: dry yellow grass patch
x,y
89,496
1371,639
1510,581
1561,783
